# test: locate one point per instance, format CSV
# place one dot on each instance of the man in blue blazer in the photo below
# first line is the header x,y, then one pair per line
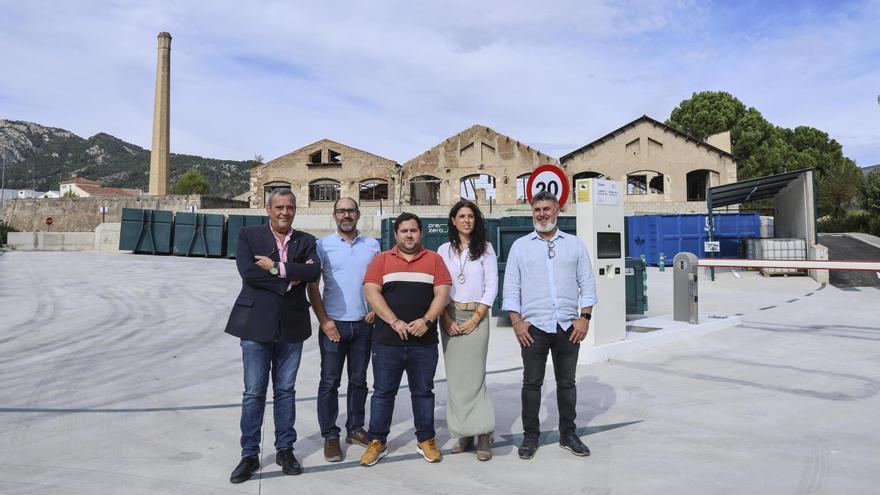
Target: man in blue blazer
x,y
271,317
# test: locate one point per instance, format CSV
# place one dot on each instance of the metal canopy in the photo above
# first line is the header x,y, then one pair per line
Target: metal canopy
x,y
750,190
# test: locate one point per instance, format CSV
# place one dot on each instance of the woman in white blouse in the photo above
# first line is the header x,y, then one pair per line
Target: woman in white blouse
x,y
474,268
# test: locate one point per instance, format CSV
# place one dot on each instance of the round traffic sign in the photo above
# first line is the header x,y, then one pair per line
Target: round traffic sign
x,y
548,177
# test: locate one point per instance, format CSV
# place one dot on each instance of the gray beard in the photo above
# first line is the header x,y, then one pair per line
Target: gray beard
x,y
548,228
342,228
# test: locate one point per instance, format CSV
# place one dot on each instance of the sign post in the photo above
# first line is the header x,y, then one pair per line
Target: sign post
x,y
550,178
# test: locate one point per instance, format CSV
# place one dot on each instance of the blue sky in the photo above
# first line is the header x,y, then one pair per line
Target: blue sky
x,y
396,77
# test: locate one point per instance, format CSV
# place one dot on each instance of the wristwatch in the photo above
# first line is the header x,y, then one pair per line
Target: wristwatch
x,y
274,270
586,315
428,322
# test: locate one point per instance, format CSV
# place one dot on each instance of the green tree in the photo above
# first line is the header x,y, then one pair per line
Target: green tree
x,y
762,148
869,193
755,142
707,113
192,182
837,185
70,194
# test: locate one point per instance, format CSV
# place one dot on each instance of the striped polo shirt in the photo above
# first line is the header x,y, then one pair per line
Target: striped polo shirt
x,y
408,288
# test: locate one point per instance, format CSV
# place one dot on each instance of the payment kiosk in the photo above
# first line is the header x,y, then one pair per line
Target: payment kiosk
x,y
600,226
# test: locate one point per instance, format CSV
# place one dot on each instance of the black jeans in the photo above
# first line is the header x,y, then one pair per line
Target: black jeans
x,y
565,357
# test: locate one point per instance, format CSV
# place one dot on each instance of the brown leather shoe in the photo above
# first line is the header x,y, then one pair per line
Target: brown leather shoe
x,y
484,446
358,437
332,450
463,445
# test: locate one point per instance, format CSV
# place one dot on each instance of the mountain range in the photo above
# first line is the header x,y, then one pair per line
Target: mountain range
x,y
40,157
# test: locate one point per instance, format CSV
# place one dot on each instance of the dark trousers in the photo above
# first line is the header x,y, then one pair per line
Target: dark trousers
x,y
389,364
354,347
565,357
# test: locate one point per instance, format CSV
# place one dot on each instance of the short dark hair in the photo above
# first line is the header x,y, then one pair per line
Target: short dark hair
x,y
544,196
405,217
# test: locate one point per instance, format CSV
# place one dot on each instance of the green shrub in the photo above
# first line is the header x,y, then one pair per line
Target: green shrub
x,y
852,221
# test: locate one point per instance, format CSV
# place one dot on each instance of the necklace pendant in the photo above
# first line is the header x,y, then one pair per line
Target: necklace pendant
x,y
461,278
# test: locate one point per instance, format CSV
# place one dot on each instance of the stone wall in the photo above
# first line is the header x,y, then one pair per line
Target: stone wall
x,y
83,214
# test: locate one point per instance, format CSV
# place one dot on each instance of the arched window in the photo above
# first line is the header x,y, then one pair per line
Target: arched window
x,y
656,184
424,190
644,182
373,190
323,190
583,175
470,186
697,183
269,187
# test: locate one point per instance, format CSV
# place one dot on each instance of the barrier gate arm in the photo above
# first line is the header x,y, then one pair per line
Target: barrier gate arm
x,y
870,266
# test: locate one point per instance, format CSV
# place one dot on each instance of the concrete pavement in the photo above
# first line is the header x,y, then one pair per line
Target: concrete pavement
x,y
116,377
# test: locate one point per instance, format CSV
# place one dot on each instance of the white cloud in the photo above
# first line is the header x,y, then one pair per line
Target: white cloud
x,y
395,78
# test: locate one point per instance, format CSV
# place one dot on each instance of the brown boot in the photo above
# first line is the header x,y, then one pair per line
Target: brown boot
x,y
484,446
463,445
332,450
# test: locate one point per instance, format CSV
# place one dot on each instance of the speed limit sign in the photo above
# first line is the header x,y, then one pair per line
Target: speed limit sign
x,y
548,178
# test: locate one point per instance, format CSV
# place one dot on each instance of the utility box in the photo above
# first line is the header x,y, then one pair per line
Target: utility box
x,y
600,225
685,295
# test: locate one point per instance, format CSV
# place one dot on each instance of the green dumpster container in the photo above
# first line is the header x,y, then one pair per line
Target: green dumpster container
x,y
636,287
492,225
146,231
234,224
198,234
496,307
435,231
508,234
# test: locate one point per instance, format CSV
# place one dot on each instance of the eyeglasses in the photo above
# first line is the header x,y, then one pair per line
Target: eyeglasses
x,y
551,249
346,211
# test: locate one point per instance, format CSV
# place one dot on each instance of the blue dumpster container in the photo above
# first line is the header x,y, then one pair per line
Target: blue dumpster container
x,y
649,235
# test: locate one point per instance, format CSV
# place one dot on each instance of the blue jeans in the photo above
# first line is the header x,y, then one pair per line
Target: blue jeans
x,y
282,359
389,363
354,345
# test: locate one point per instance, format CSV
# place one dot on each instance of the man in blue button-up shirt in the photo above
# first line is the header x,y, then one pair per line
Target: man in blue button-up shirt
x,y
549,291
346,326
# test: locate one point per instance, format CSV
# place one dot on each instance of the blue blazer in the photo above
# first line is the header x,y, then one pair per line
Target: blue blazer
x,y
265,307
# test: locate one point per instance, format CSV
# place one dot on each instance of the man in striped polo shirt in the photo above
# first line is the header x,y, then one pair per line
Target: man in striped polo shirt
x,y
408,288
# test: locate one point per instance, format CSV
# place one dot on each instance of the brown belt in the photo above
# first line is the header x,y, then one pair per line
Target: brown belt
x,y
470,306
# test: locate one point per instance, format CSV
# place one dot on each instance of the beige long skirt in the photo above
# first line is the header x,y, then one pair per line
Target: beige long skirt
x,y
469,410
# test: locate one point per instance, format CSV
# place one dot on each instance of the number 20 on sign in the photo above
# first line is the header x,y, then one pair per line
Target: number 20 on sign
x,y
548,178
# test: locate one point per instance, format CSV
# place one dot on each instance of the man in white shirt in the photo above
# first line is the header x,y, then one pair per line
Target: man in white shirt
x,y
549,292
